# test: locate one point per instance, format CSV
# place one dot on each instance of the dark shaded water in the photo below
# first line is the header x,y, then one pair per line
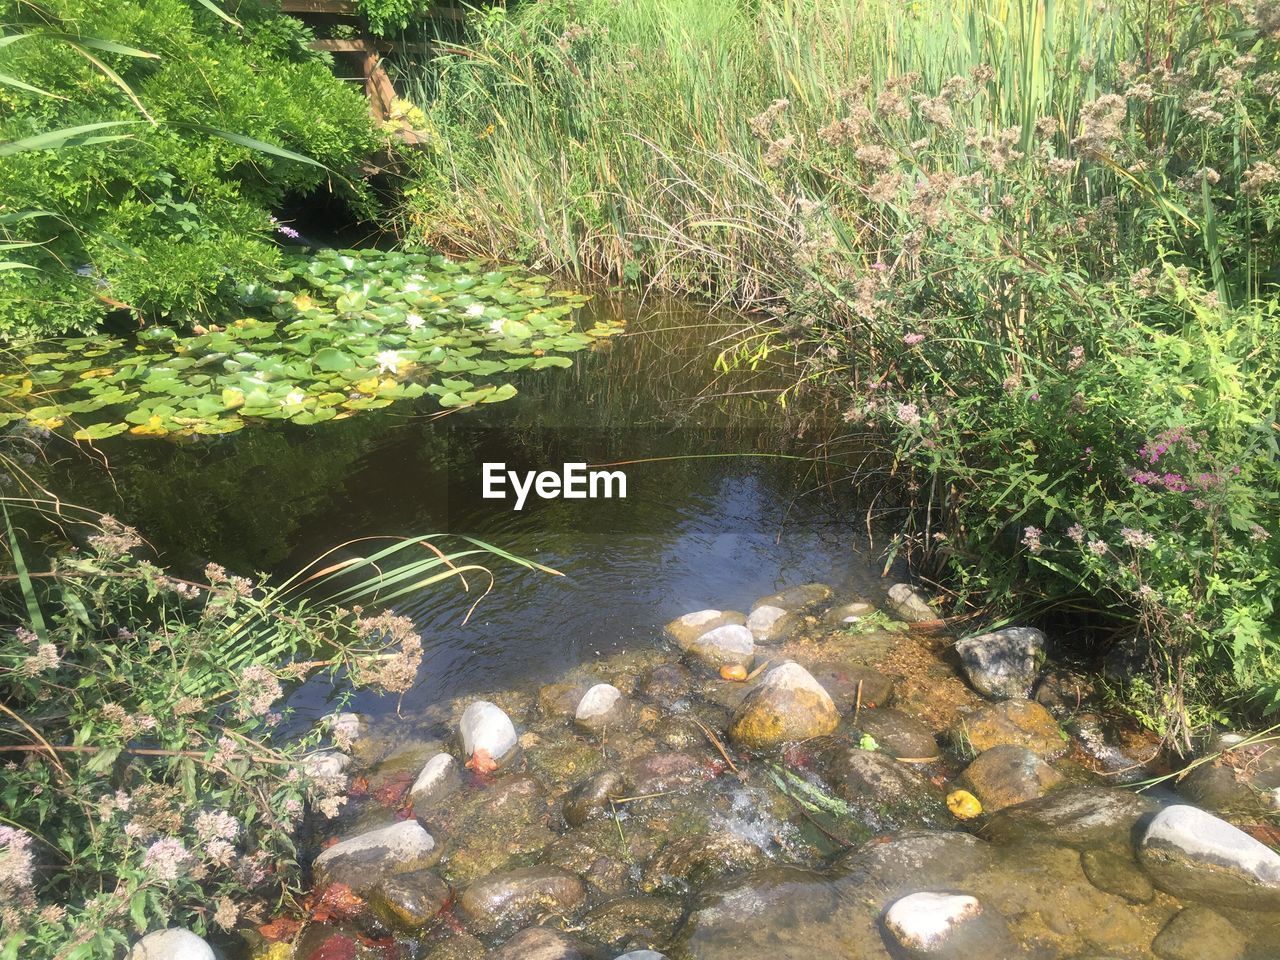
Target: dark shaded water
x,y
696,529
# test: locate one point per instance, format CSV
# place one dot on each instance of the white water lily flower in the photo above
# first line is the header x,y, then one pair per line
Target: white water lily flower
x,y
413,321
496,326
294,398
412,287
475,310
388,361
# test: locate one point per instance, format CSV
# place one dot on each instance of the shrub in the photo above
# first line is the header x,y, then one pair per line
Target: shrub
x,y
162,211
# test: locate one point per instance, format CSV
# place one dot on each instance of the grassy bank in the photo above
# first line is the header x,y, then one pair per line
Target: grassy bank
x,y
1032,243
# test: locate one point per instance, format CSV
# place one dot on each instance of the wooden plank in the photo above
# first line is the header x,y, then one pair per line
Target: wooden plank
x,y
337,8
350,46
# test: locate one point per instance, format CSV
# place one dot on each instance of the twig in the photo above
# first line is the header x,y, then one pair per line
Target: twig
x,y
715,742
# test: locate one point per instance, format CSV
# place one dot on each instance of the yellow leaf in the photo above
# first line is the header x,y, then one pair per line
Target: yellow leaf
x,y
232,398
152,428
97,372
367,386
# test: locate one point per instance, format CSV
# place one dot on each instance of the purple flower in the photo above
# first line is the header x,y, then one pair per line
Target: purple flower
x,y
1076,532
1031,539
913,339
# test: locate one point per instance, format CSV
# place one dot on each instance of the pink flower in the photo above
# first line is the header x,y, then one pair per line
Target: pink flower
x,y
1031,539
913,339
165,858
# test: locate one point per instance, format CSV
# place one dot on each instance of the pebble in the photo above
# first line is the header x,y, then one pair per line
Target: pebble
x,y
684,630
600,707
486,727
171,944
951,925
440,777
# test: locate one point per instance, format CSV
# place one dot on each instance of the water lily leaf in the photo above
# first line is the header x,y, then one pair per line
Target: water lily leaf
x,y
332,360
551,360
100,431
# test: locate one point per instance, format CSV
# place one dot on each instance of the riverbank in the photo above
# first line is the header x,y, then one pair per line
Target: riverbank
x,y
853,796
1022,241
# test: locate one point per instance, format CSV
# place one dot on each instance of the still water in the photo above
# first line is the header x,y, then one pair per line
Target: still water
x,y
725,501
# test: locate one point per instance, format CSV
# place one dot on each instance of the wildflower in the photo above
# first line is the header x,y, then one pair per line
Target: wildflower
x,y
1076,532
1098,547
187,706
1258,177
166,858
1061,167
1046,127
215,573
840,132
259,688
778,151
913,339
413,321
115,538
1077,358
1200,106
1100,122
53,913
330,806
227,914
937,111
388,362
875,156
983,73
1257,533
294,398
44,659
15,862
220,853
886,187
891,105
908,414
284,229
762,124
1031,539
226,751
1142,92
1137,539
219,825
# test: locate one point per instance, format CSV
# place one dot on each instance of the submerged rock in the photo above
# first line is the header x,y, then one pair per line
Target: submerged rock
x,y
666,771
770,624
889,794
729,645
799,597
946,925
1079,817
854,687
410,901
695,860
486,727
1004,664
171,944
440,777
1023,723
326,765
1196,856
600,707
363,861
904,862
641,955
1006,775
1197,933
787,705
633,920
1117,873
508,900
666,684
684,630
846,613
899,735
1244,779
542,943
560,699
908,604
591,795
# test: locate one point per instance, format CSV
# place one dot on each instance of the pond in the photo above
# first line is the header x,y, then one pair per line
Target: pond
x,y
714,516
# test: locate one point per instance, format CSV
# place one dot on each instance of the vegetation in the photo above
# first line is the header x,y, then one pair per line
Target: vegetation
x,y
1033,241
147,781
143,147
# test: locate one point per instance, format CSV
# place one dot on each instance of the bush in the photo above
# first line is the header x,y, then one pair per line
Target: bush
x,y
160,213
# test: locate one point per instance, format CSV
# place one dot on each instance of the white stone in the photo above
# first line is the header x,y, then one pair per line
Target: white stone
x,y
400,843
762,620
1003,664
326,765
172,944
346,729
485,726
1202,836
439,776
924,921
698,618
909,605
598,703
643,955
729,644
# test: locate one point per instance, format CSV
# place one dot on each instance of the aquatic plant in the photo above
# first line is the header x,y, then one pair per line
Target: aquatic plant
x,y
332,334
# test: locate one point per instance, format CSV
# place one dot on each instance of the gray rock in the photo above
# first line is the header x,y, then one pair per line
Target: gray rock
x,y
591,795
484,726
684,630
666,684
905,862
1023,723
695,860
1244,779
728,645
512,899
770,624
666,771
795,598
1197,933
326,765
642,955
1196,856
542,943
410,901
363,861
909,605
600,707
1007,775
172,944
854,687
946,925
1004,664
1116,873
787,705
629,921
848,613
888,794
1079,817
439,778
899,735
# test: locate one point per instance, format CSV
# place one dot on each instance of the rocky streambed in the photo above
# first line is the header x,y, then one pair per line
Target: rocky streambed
x,y
817,777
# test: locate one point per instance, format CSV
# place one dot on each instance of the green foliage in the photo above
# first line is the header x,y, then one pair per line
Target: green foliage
x,y
342,332
1024,240
388,16
168,203
147,782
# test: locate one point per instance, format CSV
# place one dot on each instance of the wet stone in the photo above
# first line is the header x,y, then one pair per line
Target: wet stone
x,y
542,943
486,727
1079,817
800,597
844,614
1004,664
631,920
1243,780
661,772
729,645
946,925
770,624
361,862
1117,873
508,900
789,704
601,707
1063,692
1197,933
842,683
560,700
910,605
410,901
642,955
888,794
684,630
172,944
1023,723
899,735
907,861
458,945
439,778
693,861
592,795
1007,775
666,683
1196,856
326,765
